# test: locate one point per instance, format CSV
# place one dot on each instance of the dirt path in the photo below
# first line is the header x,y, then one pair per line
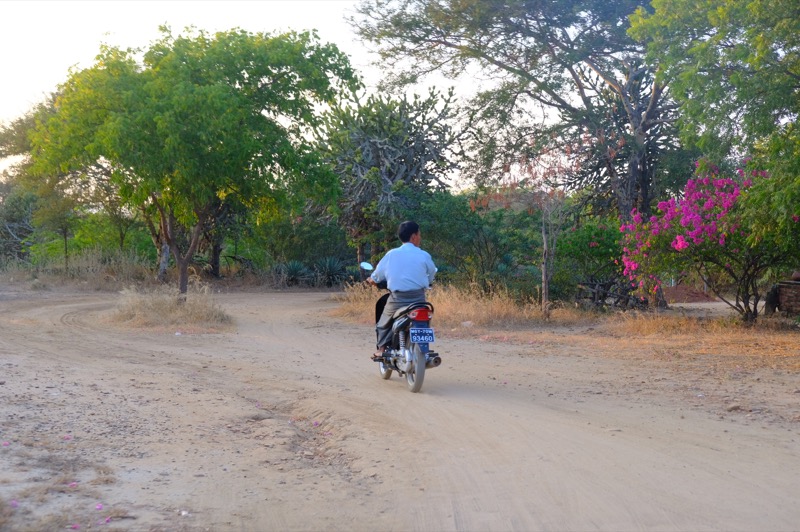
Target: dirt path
x,y
285,424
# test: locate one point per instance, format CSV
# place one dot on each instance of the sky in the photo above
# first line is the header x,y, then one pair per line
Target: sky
x,y
41,40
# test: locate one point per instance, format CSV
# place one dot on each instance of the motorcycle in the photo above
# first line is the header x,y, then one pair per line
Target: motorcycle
x,y
409,354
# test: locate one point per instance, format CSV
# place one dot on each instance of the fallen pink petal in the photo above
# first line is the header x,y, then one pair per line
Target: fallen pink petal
x,y
14,503
99,506
6,444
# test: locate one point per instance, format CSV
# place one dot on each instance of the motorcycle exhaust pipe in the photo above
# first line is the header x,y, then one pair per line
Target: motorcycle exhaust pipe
x,y
433,362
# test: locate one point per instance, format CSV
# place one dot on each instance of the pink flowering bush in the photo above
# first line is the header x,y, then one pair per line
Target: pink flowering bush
x,y
704,231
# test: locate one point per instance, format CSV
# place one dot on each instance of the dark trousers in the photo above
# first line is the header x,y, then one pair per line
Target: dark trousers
x,y
396,300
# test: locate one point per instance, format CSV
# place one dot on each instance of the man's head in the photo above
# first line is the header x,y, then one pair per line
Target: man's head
x,y
407,230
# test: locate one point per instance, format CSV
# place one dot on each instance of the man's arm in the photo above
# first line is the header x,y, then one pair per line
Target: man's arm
x,y
431,268
379,274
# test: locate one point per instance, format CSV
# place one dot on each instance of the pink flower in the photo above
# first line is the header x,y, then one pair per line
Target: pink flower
x,y
795,219
680,243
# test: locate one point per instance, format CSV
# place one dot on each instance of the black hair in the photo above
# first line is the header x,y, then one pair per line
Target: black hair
x,y
407,229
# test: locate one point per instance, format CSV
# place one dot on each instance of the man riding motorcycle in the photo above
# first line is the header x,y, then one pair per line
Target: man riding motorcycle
x,y
408,272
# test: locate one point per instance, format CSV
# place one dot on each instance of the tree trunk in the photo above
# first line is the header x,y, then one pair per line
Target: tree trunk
x,y
214,259
545,272
163,262
182,259
65,235
160,243
183,276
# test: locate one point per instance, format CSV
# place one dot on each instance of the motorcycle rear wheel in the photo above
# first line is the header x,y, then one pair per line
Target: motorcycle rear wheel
x,y
416,374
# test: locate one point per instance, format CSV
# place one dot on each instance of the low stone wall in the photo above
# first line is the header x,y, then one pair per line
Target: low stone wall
x,y
789,297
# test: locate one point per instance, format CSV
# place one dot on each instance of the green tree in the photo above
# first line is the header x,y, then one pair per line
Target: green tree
x,y
16,220
388,153
734,66
58,211
564,78
202,118
90,187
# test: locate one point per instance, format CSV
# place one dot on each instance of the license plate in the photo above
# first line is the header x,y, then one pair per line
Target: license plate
x,y
422,336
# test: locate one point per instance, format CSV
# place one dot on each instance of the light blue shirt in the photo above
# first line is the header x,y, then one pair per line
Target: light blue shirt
x,y
405,268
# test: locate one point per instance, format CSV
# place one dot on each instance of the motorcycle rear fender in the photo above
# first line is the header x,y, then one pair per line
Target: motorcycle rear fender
x,y
405,310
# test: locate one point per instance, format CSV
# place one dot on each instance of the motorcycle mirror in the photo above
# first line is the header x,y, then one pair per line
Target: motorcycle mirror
x,y
366,266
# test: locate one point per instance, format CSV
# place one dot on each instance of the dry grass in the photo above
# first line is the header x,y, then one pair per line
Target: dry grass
x,y
456,307
164,308
660,324
91,269
642,324
717,342
701,345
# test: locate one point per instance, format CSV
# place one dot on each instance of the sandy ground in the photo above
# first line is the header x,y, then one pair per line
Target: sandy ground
x,y
284,424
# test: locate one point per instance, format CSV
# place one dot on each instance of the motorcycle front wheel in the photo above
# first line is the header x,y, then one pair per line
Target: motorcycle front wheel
x,y
416,374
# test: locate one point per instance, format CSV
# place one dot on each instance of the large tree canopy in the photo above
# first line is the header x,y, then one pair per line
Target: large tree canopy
x,y
734,65
201,118
564,78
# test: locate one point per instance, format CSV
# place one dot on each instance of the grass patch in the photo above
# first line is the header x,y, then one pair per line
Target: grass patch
x,y
662,324
90,269
458,307
164,308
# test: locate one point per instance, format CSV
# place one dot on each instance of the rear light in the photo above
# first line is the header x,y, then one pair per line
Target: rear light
x,y
421,314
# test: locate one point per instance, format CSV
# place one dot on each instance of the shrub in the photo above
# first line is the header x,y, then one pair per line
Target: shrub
x,y
292,273
164,307
330,271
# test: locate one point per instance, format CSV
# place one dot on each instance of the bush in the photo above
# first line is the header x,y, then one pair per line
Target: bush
x,y
292,273
164,307
330,271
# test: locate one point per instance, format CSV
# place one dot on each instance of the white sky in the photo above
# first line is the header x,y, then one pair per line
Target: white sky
x,y
40,40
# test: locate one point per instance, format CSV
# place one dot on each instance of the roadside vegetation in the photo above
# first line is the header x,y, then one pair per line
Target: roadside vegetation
x,y
163,308
533,201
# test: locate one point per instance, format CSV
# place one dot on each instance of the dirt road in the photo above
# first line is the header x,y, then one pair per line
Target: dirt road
x,y
284,424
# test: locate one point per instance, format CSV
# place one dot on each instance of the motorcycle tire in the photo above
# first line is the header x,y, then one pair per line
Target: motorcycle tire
x,y
416,374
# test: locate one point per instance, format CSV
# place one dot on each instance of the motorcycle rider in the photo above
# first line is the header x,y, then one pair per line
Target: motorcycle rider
x,y
408,271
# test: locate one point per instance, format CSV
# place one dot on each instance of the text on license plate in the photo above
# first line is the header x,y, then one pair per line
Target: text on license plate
x,y
422,336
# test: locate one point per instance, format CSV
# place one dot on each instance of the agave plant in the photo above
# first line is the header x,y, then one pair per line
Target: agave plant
x,y
330,271
293,272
